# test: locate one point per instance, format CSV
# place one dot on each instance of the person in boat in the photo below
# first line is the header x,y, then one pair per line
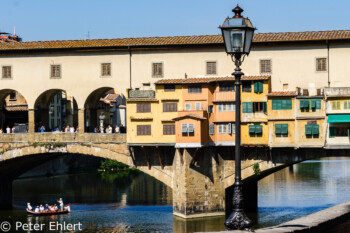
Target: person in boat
x,y
46,208
60,202
67,208
41,208
55,208
37,209
51,208
29,207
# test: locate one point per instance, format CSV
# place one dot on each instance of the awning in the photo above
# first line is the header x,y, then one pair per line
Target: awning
x,y
338,118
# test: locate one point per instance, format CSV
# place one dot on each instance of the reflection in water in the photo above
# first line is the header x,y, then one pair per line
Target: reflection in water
x,y
307,188
139,203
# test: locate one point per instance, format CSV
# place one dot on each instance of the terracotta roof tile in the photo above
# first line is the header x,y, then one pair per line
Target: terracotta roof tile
x,y
209,79
173,40
141,99
282,93
17,108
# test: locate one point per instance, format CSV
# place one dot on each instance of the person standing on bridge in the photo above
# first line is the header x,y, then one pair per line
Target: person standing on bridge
x,y
8,129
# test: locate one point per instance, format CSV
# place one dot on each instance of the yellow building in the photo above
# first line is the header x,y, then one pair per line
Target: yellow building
x,y
281,118
150,114
255,131
310,118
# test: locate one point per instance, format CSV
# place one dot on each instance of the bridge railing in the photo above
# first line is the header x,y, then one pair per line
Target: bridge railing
x,y
63,137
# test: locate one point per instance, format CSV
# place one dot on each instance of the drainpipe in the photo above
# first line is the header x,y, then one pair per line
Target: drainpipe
x,y
329,82
130,55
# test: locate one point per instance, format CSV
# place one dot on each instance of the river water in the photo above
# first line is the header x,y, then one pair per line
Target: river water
x,y
136,202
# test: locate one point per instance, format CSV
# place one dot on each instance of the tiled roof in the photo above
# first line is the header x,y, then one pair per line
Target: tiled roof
x,y
191,115
209,79
282,93
173,40
141,99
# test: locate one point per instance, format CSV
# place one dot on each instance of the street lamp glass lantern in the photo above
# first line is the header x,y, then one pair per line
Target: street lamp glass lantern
x,y
237,33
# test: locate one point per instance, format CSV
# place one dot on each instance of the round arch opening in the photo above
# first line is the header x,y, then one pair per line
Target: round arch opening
x,y
13,112
55,110
105,107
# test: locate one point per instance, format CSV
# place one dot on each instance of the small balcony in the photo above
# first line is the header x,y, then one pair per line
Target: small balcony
x,y
225,96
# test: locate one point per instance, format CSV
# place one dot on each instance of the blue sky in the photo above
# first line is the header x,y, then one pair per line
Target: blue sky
x,y
76,19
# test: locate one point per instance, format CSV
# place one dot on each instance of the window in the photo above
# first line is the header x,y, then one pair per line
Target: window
x,y
226,128
307,104
195,89
281,129
143,107
346,104
335,105
259,107
144,130
106,69
321,64
265,66
6,72
13,96
338,131
282,104
187,128
285,86
169,87
312,130
157,69
188,107
210,108
227,87
55,71
246,86
226,107
258,86
169,107
198,106
255,130
169,129
211,129
211,67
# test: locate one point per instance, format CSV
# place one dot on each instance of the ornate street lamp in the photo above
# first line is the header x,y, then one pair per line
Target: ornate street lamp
x,y
238,35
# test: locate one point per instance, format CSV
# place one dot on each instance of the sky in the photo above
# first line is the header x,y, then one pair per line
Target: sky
x,y
95,19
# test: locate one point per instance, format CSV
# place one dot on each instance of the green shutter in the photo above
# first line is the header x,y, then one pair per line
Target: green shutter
x,y
306,104
249,107
274,104
331,131
288,104
315,129
258,129
256,87
278,128
301,103
308,129
251,129
318,104
284,104
265,107
284,129
244,107
313,104
345,104
261,86
279,104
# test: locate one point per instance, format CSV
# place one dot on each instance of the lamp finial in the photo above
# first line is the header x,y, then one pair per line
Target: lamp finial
x,y
238,11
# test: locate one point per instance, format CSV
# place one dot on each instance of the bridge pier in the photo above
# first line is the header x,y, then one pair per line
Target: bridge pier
x,y
198,183
5,193
31,121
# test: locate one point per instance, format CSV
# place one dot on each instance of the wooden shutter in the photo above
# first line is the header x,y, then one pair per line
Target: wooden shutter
x,y
265,107
211,129
289,104
313,104
233,128
331,131
169,129
274,104
315,129
258,129
244,107
284,129
251,129
278,128
184,128
278,104
229,128
256,87
318,104
284,104
261,86
250,107
308,129
301,103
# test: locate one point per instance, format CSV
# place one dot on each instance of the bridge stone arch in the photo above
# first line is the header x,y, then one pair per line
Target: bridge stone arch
x,y
107,100
13,109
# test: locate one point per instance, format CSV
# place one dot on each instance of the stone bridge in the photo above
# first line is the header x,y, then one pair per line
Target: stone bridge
x,y
200,178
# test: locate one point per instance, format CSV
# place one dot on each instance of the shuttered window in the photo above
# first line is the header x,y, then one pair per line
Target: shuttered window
x,y
157,69
55,71
321,64
211,67
144,130
195,89
246,86
247,107
265,66
255,130
335,105
106,69
169,107
169,129
281,104
211,129
143,107
307,104
281,129
258,87
6,72
346,104
187,128
169,87
198,106
226,107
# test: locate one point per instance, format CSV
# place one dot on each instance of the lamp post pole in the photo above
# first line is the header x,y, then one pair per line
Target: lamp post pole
x,y
238,35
